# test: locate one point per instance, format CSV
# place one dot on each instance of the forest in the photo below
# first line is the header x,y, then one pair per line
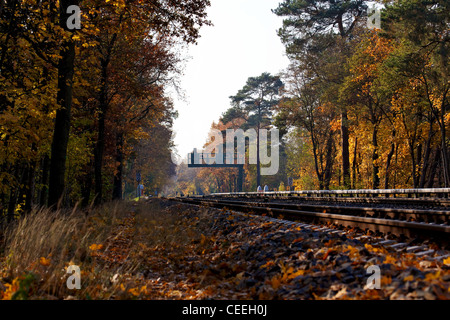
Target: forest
x,y
359,107
84,110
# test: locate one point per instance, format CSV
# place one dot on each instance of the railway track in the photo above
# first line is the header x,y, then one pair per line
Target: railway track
x,y
371,201
406,224
416,198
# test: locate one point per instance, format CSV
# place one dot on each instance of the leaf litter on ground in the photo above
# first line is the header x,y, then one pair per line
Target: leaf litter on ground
x,y
167,250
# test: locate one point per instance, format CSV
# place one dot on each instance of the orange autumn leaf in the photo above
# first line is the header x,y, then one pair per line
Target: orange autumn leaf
x,y
268,264
10,290
44,261
373,294
386,280
327,253
432,276
134,291
275,282
96,247
375,249
409,278
329,243
293,275
390,260
447,261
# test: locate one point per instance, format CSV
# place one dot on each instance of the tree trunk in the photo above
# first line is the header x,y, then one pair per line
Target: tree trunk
x,y
62,120
413,164
316,162
433,169
426,157
117,190
100,146
44,181
103,106
329,163
258,163
29,191
86,182
98,158
11,205
394,184
388,161
345,150
445,162
375,167
354,163
15,192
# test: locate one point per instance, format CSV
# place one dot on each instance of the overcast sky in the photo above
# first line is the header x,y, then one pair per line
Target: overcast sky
x,y
242,43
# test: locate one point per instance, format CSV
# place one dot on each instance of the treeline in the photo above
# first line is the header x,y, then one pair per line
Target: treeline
x,y
359,107
369,106
82,109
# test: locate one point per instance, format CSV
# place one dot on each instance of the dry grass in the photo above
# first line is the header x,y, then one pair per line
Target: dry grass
x,y
38,247
133,238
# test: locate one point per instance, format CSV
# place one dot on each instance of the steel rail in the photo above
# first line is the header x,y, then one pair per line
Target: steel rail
x,y
431,197
402,201
319,214
434,216
445,192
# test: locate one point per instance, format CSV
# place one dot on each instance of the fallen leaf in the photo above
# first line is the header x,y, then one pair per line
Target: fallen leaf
x,y
96,247
409,278
297,240
390,260
44,261
447,261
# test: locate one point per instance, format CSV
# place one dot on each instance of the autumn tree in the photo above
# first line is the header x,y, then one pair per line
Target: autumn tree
x,y
255,104
136,23
64,101
422,26
305,22
28,71
361,91
150,155
303,108
413,119
143,97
